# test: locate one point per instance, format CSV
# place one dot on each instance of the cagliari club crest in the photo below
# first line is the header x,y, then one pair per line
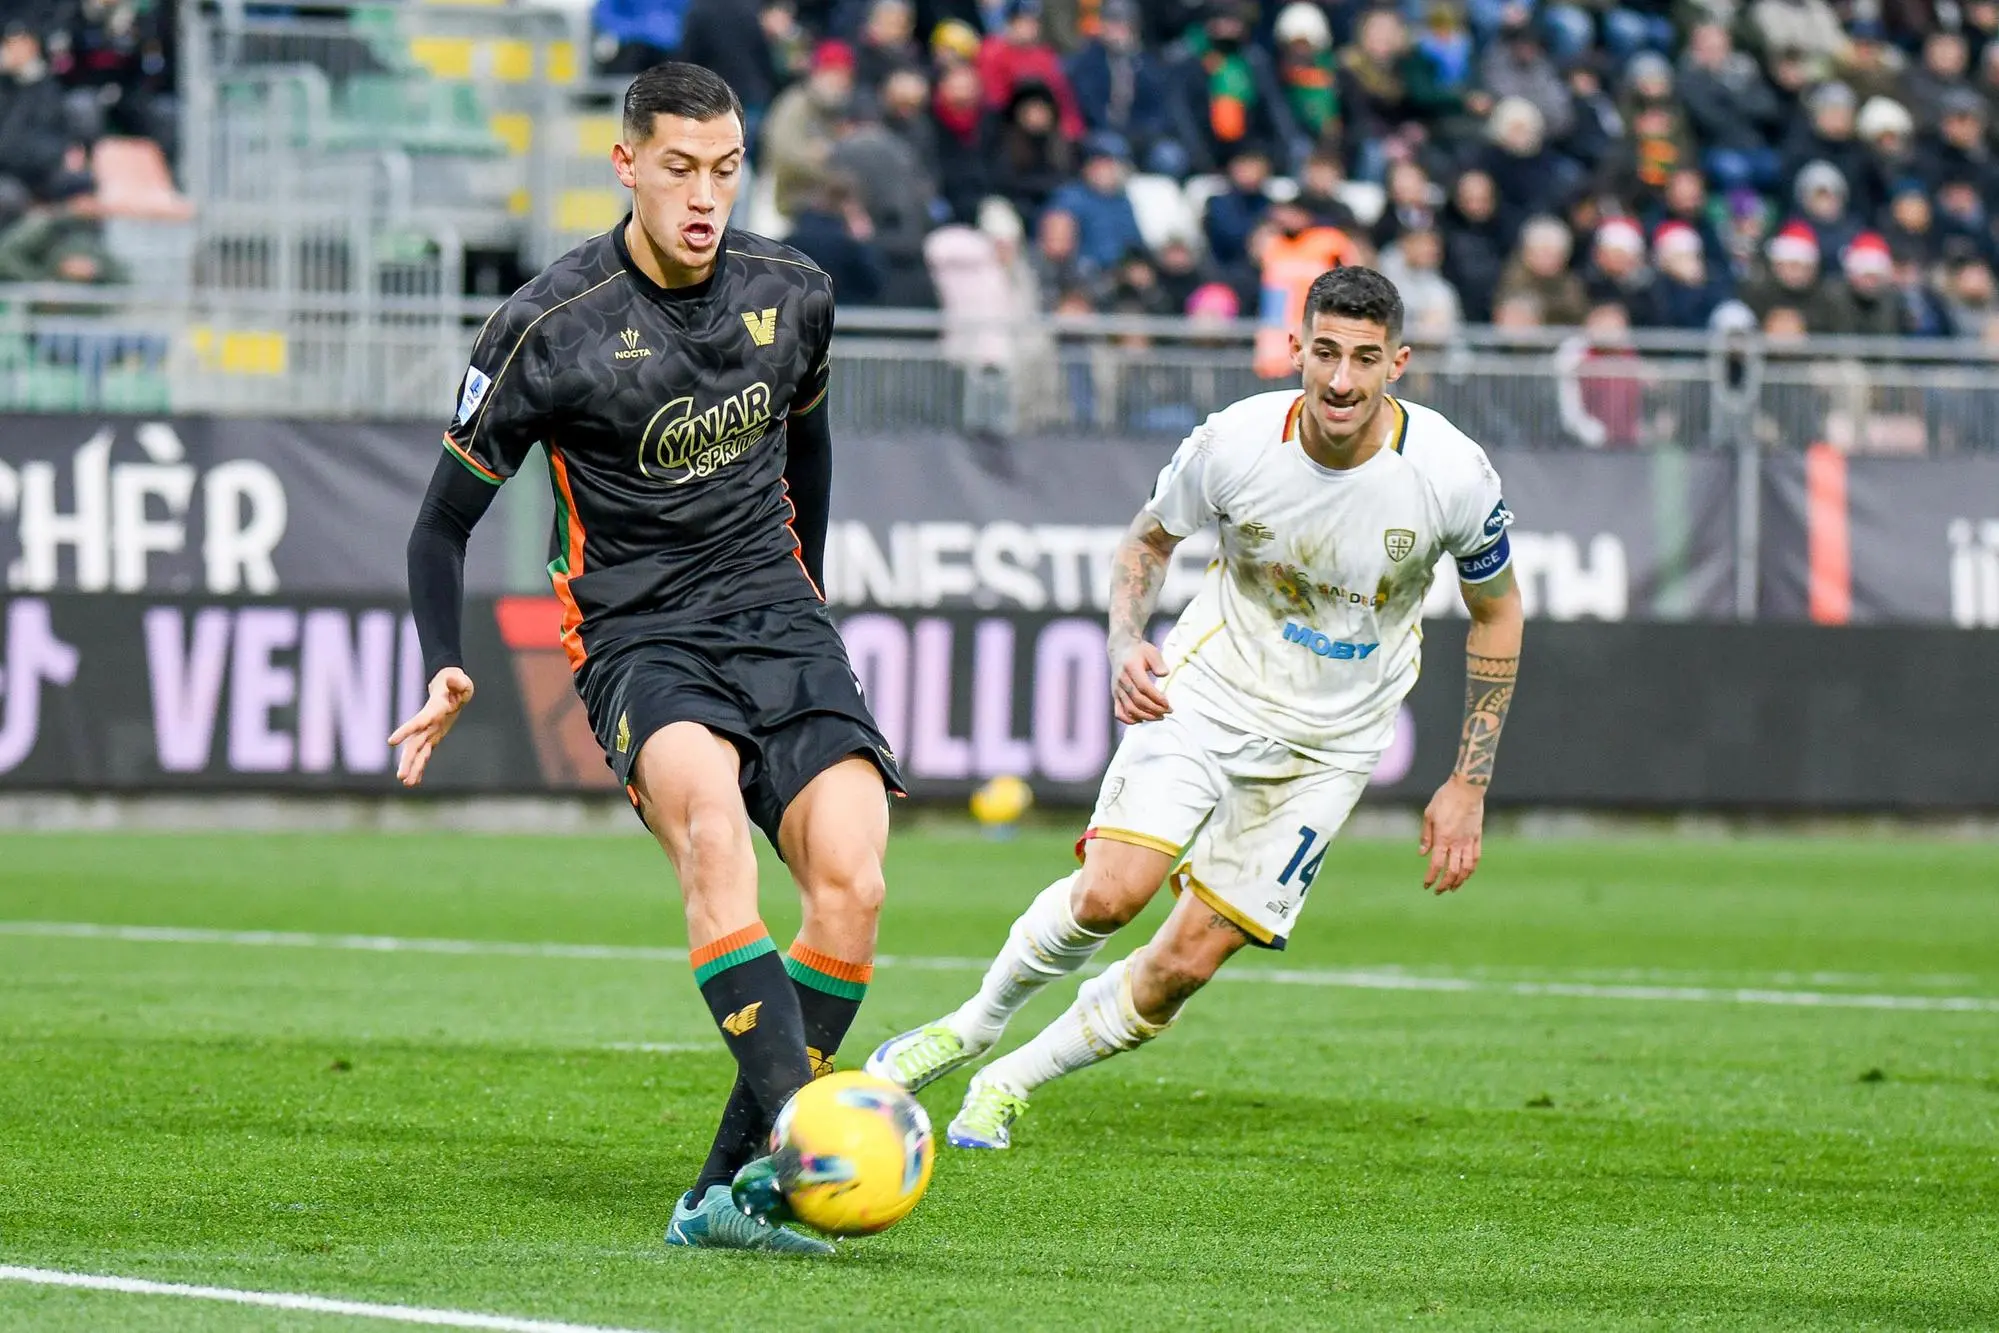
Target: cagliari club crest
x,y
1399,541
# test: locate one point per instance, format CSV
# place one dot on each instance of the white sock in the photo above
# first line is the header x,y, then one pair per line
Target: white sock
x,y
1102,1022
1044,944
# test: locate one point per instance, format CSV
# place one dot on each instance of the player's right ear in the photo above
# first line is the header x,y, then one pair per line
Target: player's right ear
x,y
625,164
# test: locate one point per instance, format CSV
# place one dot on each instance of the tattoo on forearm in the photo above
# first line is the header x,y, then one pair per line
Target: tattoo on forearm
x,y
1137,573
1488,694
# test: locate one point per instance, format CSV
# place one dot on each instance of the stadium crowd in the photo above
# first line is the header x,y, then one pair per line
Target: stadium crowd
x,y
1805,165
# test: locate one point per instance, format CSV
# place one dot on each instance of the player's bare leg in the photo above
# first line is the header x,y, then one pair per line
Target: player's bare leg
x,y
686,777
1060,931
1135,1000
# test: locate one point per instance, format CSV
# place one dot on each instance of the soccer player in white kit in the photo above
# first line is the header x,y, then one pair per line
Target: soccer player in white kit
x,y
1252,734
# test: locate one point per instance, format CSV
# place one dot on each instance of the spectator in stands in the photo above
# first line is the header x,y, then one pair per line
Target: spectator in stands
x,y
635,35
1687,293
1309,72
1445,44
1888,132
1430,305
1871,305
954,44
1542,268
1135,287
1962,221
1122,88
1617,271
1475,246
1959,149
1531,179
1319,191
1031,159
1686,200
1945,64
1872,67
799,131
1808,28
37,148
905,113
1599,126
1291,250
1411,205
1910,227
1822,197
833,231
1828,136
1925,311
1106,223
1522,310
58,243
1057,262
1226,94
1660,144
897,194
964,135
887,43
1181,272
1516,66
1239,210
1973,297
1987,83
1017,57
1793,282
1733,111
740,42
1599,382
1374,94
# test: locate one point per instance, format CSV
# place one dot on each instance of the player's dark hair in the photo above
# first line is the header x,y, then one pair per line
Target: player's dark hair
x,y
1352,292
677,88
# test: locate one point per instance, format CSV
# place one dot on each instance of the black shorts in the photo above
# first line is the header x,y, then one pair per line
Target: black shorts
x,y
775,681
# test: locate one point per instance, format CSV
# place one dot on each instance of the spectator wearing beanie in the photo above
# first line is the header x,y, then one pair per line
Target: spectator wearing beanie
x,y
798,134
1686,294
1959,149
953,43
1105,220
1617,270
1541,270
1733,111
1121,88
1869,303
1016,56
1793,281
1308,71
1888,132
1822,205
1030,158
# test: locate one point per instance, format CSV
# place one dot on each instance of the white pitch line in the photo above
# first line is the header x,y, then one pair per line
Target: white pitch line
x,y
1333,977
279,1300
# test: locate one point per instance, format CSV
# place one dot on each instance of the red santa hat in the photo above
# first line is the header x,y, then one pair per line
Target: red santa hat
x,y
1675,238
1794,244
1868,254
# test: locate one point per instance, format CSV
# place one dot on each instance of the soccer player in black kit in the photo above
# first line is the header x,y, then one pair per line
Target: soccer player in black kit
x,y
674,372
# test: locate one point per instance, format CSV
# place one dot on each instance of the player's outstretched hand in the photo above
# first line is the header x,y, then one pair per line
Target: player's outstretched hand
x,y
1134,695
450,691
1453,832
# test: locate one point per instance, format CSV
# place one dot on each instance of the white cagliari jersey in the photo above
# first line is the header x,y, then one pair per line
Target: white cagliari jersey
x,y
1307,625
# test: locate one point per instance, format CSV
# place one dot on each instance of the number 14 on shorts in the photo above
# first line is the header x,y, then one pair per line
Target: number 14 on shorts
x,y
1306,871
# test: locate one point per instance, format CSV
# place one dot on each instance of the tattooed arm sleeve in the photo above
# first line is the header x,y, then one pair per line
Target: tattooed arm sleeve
x,y
1137,571
1492,662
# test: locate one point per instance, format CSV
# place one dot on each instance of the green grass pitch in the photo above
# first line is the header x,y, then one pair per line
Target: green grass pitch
x,y
506,1132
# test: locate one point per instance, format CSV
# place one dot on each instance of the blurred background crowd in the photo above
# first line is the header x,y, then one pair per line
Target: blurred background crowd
x,y
1805,165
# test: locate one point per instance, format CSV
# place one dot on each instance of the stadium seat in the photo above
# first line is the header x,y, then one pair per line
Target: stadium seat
x,y
1163,212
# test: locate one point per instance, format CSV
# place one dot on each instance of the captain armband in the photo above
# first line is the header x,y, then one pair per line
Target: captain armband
x,y
1487,563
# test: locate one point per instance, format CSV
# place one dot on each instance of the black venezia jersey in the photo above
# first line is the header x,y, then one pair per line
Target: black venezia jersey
x,y
662,416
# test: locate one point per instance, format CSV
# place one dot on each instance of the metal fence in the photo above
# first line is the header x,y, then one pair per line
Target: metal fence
x,y
397,349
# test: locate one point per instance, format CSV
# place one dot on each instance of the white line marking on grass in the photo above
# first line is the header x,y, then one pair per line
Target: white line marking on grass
x,y
1332,977
278,1300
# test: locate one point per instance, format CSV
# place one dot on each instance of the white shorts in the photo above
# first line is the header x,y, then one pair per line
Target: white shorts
x,y
1251,817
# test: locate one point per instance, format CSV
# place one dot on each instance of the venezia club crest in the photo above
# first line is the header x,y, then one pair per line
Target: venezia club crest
x,y
1399,541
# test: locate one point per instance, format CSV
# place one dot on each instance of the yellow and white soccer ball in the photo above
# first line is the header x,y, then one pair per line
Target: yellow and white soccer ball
x,y
1001,801
853,1153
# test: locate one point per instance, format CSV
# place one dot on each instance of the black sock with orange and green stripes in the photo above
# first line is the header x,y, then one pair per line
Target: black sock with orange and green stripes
x,y
829,994
756,1007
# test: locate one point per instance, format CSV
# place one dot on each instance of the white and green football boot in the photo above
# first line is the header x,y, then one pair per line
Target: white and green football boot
x,y
986,1119
923,1055
717,1223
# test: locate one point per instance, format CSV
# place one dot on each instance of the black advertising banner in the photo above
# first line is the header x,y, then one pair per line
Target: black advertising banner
x,y
1879,540
132,693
